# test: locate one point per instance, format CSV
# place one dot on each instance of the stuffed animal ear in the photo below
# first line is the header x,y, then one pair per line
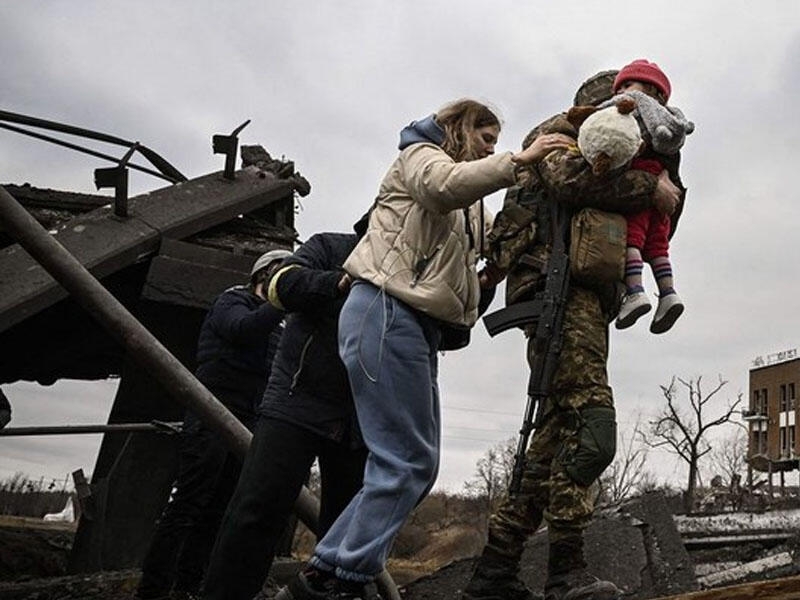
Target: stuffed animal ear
x,y
626,105
578,114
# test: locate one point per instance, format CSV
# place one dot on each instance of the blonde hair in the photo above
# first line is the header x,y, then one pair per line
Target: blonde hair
x,y
459,119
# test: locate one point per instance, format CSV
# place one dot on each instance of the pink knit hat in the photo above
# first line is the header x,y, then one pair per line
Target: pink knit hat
x,y
646,71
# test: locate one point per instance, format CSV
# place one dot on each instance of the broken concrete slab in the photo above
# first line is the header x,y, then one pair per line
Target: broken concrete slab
x,y
637,547
741,572
776,589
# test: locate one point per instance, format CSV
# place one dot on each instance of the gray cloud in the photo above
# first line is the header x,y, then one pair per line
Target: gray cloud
x,y
329,86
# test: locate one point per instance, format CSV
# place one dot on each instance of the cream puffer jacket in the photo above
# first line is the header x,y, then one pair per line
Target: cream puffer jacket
x,y
417,247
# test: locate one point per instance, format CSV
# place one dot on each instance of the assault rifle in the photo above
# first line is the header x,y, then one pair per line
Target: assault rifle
x,y
546,311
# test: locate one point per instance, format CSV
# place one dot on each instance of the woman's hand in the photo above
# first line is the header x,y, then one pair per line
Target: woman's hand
x,y
541,147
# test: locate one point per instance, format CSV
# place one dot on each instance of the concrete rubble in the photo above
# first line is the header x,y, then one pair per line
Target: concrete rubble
x,y
642,547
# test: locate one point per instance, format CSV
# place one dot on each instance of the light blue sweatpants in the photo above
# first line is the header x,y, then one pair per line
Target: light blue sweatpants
x,y
390,353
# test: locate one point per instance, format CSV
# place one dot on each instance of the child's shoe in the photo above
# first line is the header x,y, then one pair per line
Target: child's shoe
x,y
633,306
668,310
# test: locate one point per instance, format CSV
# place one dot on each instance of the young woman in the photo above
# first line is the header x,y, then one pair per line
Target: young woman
x,y
414,272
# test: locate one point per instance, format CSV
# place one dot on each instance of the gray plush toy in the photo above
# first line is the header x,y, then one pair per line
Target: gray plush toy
x,y
664,127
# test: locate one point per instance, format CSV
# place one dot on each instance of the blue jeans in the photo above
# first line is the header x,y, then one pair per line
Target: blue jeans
x,y
389,350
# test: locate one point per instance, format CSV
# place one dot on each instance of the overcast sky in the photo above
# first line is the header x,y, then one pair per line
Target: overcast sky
x,y
329,85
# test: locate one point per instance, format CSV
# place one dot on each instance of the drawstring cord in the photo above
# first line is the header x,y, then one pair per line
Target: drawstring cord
x,y
382,296
384,324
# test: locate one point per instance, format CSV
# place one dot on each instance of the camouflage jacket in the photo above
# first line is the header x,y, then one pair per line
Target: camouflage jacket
x,y
520,237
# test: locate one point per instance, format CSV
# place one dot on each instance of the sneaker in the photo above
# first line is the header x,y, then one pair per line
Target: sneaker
x,y
633,306
345,590
308,585
268,591
315,585
667,312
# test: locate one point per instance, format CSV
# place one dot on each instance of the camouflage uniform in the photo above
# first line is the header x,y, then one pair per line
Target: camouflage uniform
x,y
552,488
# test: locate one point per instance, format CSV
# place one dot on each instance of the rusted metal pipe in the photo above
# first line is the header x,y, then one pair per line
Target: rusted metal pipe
x,y
165,168
156,427
142,346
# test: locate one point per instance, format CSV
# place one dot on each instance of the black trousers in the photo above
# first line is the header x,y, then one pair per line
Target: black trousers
x,y
184,535
274,470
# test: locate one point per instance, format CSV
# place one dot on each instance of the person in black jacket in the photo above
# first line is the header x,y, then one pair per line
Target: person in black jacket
x,y
307,414
237,342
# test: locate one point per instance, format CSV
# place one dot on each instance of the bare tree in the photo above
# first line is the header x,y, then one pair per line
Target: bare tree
x,y
729,456
493,473
683,430
626,474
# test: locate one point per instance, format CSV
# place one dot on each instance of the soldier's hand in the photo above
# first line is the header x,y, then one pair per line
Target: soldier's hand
x,y
667,195
541,147
490,275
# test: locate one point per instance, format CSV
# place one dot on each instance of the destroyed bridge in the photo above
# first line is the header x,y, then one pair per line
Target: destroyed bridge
x,y
93,287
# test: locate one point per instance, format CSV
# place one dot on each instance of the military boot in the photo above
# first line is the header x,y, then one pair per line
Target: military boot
x,y
567,577
496,578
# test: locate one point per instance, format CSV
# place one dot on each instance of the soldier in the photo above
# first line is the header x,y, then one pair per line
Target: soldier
x,y
555,486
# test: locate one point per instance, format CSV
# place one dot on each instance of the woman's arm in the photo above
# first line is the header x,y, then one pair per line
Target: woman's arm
x,y
441,185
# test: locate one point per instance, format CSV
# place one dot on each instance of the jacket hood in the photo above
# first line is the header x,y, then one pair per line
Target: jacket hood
x,y
424,130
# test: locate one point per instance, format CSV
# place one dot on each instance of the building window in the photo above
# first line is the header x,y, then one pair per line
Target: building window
x,y
759,442
764,402
792,438
792,398
783,407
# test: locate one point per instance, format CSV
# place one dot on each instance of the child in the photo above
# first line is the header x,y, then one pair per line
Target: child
x,y
664,129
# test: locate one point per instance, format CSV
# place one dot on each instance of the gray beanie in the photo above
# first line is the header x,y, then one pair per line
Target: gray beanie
x,y
263,261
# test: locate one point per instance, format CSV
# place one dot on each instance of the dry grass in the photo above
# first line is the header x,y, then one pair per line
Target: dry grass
x,y
34,523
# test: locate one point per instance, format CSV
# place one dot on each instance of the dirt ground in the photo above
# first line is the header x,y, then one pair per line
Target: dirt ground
x,y
34,558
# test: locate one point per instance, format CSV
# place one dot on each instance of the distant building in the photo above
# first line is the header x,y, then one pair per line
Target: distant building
x,y
772,413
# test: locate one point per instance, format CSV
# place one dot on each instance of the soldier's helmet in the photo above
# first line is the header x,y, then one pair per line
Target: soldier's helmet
x,y
598,88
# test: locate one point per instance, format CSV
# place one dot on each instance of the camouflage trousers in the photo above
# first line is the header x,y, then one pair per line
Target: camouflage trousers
x,y
580,381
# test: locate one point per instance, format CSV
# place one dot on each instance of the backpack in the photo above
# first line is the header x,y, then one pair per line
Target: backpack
x,y
598,240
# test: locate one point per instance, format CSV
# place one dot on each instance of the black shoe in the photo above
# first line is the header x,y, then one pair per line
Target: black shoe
x,y
580,586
